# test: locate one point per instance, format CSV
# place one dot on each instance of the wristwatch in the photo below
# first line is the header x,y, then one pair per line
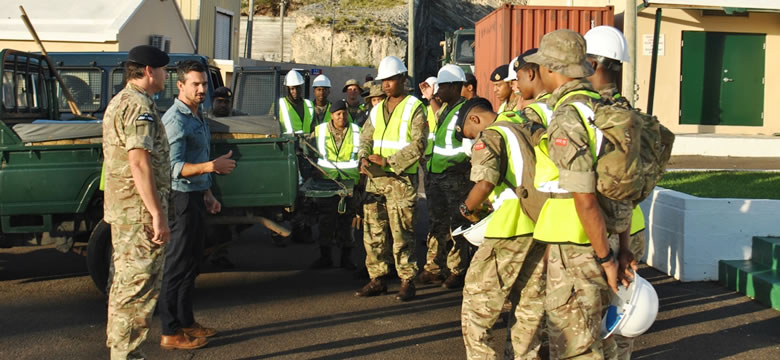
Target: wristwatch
x,y
607,258
464,209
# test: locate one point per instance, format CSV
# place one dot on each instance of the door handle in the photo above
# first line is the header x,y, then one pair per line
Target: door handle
x,y
726,79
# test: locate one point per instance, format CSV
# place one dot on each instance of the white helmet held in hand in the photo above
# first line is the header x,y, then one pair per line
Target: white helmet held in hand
x,y
450,74
632,311
293,78
321,81
608,42
474,234
389,67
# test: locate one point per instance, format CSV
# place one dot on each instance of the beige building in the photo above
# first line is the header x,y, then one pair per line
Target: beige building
x,y
214,25
97,25
715,66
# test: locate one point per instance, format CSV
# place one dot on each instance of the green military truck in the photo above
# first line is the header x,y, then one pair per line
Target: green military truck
x,y
458,48
50,160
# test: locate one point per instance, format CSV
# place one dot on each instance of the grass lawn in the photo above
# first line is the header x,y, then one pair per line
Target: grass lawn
x,y
724,184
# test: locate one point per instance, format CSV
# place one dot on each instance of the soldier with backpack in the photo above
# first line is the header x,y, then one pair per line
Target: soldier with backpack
x,y
508,263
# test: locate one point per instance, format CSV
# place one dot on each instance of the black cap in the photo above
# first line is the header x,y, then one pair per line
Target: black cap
x,y
148,55
338,105
521,59
500,73
223,92
464,111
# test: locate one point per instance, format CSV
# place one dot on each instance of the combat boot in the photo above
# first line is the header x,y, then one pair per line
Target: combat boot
x,y
427,277
407,290
453,282
346,259
324,261
373,288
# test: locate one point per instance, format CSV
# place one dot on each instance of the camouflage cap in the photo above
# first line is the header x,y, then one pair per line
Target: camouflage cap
x,y
375,90
563,51
349,83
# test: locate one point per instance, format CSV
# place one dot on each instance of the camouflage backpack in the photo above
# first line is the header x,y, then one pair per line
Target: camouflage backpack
x,y
637,148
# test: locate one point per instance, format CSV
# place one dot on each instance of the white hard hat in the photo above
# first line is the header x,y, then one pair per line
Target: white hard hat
x,y
608,42
293,78
450,73
389,67
321,81
632,310
475,234
512,72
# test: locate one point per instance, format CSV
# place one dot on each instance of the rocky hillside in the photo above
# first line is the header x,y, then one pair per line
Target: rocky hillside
x,y
363,31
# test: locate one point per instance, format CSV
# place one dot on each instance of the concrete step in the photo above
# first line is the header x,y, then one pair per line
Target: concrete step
x,y
766,251
757,281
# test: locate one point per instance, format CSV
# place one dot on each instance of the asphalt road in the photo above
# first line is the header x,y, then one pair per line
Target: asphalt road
x,y
271,307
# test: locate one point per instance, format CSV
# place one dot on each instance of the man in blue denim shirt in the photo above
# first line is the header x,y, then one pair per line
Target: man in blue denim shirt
x,y
189,138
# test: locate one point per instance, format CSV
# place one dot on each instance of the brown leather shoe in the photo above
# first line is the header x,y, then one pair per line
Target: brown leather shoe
x,y
453,282
427,277
197,330
182,341
373,288
407,291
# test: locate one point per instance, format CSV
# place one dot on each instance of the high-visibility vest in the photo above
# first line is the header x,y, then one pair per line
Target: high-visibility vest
x,y
334,158
430,116
637,220
447,150
291,122
392,136
558,221
541,109
508,219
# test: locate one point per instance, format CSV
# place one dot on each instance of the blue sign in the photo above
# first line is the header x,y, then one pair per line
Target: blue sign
x,y
316,71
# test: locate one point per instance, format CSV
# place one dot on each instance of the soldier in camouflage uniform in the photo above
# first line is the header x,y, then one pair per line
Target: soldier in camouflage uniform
x,y
508,264
572,222
502,88
391,144
532,89
607,67
137,186
356,110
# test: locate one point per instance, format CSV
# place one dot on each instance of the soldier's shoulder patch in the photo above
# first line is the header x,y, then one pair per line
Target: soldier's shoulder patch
x,y
146,117
561,141
479,146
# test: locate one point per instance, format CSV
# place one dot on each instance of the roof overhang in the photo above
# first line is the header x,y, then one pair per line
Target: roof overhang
x,y
727,5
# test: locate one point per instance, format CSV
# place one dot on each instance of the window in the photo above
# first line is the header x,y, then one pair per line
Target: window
x,y
222,32
163,99
85,85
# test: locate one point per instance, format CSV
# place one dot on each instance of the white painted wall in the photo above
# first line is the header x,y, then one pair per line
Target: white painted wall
x,y
687,235
726,145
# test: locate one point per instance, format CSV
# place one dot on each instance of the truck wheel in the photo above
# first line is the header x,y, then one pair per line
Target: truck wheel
x,y
99,253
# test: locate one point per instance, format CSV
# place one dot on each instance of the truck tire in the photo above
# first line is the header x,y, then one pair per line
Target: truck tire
x,y
99,253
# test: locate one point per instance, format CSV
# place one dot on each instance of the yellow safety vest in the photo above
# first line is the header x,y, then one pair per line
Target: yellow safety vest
x,y
392,136
344,157
291,122
431,117
541,108
558,220
508,219
447,150
637,220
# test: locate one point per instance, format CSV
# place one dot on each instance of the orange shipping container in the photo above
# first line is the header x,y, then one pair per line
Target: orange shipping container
x,y
512,29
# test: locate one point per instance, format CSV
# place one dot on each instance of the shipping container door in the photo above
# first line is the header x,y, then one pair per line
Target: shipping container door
x,y
722,80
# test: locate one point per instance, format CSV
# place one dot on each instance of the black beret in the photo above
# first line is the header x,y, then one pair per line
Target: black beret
x,y
223,92
148,55
338,105
521,59
500,73
464,110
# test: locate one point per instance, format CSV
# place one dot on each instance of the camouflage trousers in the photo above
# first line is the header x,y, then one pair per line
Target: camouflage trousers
x,y
444,192
576,297
636,244
138,265
388,225
500,269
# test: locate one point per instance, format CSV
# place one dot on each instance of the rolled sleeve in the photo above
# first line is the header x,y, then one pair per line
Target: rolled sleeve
x,y
174,127
570,151
366,140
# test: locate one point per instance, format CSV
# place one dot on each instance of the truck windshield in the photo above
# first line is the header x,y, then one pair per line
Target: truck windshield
x,y
163,99
464,49
86,86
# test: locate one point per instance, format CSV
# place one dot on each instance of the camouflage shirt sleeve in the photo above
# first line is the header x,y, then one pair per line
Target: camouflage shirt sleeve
x,y
530,114
570,152
411,153
366,139
486,157
139,120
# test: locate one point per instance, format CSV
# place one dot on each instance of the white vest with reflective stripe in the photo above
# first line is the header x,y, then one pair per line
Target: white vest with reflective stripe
x,y
333,158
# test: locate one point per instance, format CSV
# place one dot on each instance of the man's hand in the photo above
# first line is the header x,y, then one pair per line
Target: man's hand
x,y
611,271
426,90
626,263
162,233
377,159
223,165
213,205
363,166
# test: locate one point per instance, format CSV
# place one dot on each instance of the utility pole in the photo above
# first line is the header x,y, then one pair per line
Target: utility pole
x,y
410,43
281,34
249,28
332,21
629,72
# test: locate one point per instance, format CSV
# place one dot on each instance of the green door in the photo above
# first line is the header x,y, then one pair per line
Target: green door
x,y
722,80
